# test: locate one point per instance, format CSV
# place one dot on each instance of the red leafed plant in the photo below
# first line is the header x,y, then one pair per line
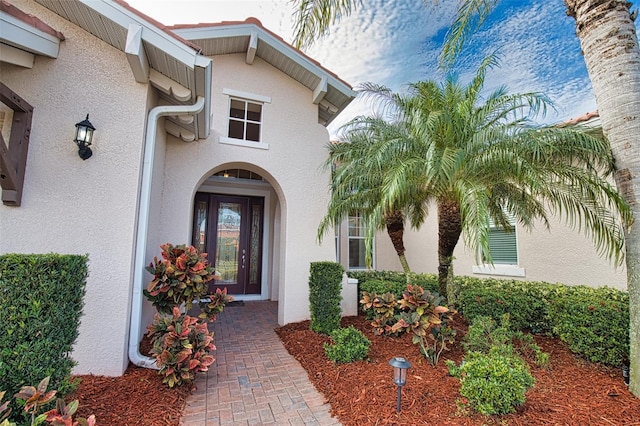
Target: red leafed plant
x,y
181,345
181,276
35,398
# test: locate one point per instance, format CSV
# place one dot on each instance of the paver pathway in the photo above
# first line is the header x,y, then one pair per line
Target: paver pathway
x,y
254,380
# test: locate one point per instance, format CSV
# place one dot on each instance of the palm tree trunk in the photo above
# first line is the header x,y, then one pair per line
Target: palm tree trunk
x,y
610,45
395,228
449,230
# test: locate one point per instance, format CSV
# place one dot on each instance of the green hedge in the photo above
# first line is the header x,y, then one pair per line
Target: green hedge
x,y
593,321
525,301
381,282
41,300
325,288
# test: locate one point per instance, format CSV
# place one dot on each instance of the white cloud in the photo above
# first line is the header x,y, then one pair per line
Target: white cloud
x,y
394,42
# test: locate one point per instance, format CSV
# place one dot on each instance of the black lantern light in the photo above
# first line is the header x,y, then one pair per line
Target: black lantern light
x,y
400,367
84,136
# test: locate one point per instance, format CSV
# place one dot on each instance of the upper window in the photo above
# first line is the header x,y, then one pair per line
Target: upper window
x,y
246,117
245,120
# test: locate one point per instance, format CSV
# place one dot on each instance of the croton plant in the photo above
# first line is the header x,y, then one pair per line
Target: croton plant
x,y
181,343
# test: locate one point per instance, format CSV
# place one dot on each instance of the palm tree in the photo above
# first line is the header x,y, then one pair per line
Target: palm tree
x,y
612,55
356,185
478,161
611,51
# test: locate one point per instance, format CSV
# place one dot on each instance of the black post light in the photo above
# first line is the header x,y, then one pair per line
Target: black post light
x,y
84,136
400,367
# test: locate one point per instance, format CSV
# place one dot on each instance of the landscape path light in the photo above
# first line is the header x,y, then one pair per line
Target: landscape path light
x,y
400,367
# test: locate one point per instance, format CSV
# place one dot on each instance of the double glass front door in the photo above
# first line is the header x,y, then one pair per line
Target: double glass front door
x,y
229,229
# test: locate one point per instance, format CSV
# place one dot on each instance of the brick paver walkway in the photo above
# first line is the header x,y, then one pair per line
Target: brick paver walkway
x,y
254,380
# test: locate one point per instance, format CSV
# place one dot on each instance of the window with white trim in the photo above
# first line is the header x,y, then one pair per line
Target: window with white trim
x,y
357,250
245,120
503,244
246,114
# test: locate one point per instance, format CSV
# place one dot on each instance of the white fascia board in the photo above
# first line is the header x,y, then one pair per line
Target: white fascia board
x,y
17,33
245,30
136,55
150,34
204,80
316,69
320,91
15,56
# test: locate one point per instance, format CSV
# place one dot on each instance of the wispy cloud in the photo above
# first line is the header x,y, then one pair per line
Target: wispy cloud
x,y
395,42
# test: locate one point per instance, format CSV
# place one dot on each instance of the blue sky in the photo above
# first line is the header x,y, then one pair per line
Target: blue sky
x,y
395,42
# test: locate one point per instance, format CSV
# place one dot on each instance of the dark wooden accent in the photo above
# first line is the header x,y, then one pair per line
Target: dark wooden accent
x,y
13,158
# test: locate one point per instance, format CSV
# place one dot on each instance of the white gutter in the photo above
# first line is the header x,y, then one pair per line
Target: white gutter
x,y
143,224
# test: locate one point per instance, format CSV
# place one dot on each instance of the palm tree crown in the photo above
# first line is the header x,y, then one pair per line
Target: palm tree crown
x,y
479,161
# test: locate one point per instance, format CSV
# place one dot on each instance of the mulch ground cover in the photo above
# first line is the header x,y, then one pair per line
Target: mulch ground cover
x,y
568,392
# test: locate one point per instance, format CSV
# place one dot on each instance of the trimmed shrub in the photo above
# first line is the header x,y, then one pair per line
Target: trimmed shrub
x,y
493,383
392,282
525,301
350,345
325,287
594,322
41,300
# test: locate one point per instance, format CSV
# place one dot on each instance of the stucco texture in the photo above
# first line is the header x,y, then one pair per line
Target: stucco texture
x,y
291,165
561,255
75,206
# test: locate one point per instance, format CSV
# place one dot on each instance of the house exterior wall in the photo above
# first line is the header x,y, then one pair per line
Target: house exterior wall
x,y
297,148
75,206
561,255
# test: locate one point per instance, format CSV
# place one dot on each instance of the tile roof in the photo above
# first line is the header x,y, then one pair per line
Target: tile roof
x,y
582,118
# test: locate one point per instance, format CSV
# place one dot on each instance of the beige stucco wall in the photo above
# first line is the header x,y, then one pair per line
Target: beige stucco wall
x,y
75,206
562,255
297,147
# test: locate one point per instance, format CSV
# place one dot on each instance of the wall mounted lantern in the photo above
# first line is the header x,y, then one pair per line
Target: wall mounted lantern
x,y
400,367
84,136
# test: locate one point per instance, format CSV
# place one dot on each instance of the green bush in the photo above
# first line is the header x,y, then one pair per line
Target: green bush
x,y
350,345
493,383
594,322
325,287
381,282
485,334
41,300
363,276
525,301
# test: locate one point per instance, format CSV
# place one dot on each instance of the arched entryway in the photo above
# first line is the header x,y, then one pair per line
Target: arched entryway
x,y
235,219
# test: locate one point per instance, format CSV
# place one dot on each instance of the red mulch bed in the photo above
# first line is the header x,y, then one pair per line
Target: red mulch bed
x,y
568,392
137,398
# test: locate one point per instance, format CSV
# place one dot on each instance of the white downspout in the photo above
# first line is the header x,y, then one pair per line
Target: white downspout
x,y
143,224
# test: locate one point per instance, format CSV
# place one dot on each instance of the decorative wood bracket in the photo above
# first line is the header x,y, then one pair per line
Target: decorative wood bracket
x,y
13,158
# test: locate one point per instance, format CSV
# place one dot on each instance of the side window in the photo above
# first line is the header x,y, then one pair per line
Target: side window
x,y
357,250
503,245
245,120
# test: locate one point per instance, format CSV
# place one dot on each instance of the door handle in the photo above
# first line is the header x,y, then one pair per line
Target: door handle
x,y
243,260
